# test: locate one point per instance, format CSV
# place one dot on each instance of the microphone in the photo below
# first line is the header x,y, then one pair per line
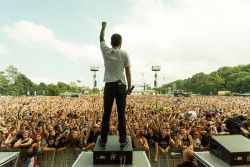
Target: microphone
x,y
130,90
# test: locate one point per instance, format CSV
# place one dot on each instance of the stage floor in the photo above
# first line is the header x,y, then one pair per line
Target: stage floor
x,y
86,159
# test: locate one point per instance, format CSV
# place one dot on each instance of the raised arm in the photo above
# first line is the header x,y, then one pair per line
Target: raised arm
x,y
33,129
131,131
157,128
104,24
44,131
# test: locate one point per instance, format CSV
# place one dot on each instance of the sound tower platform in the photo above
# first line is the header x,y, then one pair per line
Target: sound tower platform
x,y
225,151
206,159
232,149
112,154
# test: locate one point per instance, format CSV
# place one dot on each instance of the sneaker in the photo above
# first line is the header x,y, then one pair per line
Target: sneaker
x,y
102,145
124,145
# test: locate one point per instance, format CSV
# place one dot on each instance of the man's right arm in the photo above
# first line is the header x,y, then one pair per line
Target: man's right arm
x,y
104,24
128,76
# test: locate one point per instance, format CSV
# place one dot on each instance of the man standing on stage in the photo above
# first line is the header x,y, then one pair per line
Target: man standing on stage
x,y
115,60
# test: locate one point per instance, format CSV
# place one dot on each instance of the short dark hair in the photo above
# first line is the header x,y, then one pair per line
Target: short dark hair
x,y
51,138
209,116
116,39
40,123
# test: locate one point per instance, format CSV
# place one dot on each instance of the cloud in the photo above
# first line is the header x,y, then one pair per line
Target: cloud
x,y
187,37
184,37
3,51
45,80
40,37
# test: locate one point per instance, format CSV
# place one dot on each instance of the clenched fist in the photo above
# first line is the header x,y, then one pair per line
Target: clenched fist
x,y
104,24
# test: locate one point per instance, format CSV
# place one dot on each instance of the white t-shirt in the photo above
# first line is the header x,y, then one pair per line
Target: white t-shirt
x,y
197,143
115,60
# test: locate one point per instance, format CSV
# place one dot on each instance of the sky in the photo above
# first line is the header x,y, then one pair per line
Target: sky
x,y
52,41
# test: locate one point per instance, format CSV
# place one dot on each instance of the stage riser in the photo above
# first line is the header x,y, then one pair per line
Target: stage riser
x,y
112,157
112,154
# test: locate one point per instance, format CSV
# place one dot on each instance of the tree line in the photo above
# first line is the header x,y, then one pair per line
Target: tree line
x,y
14,83
235,79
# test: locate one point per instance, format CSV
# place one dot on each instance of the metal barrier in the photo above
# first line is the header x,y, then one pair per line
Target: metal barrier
x,y
49,158
58,159
171,159
66,158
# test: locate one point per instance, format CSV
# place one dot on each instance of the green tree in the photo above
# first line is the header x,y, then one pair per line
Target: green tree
x,y
198,81
40,88
4,83
187,84
174,86
224,73
246,68
85,88
234,79
63,87
179,84
73,87
12,74
244,84
22,85
96,91
217,83
53,90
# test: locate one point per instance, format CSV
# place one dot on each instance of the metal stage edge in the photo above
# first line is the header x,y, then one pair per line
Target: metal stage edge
x,y
86,159
206,159
6,157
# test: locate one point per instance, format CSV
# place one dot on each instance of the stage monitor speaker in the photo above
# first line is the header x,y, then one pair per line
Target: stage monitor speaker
x,y
112,154
232,149
206,159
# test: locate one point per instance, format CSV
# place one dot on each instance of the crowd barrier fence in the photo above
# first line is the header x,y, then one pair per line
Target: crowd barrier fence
x,y
66,158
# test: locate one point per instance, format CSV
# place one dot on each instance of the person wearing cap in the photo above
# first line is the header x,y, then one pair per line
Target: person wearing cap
x,y
188,157
175,142
59,129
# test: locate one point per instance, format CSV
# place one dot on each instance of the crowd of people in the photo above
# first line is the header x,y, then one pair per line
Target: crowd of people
x,y
40,124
